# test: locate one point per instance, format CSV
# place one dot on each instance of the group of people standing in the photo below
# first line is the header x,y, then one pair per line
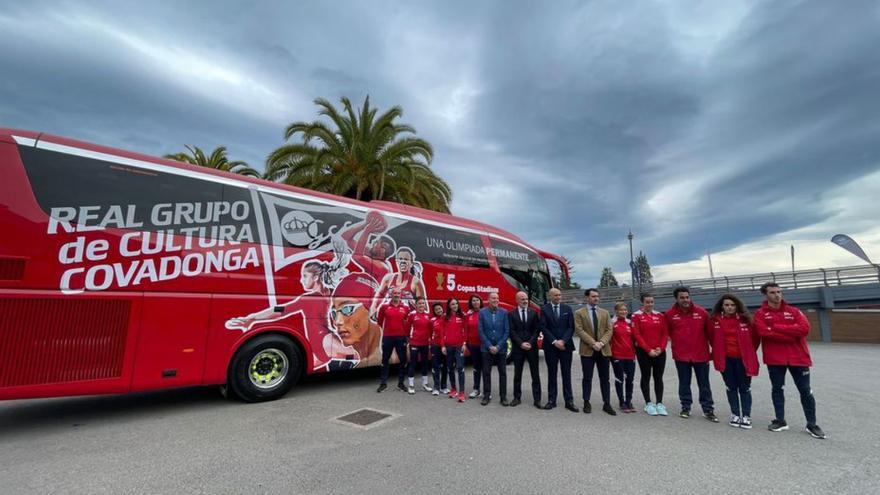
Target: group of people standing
x,y
728,337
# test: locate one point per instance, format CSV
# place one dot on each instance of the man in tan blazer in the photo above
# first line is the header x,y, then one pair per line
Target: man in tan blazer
x,y
592,325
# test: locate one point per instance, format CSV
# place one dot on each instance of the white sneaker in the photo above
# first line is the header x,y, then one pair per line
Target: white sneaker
x,y
745,422
734,421
435,392
444,391
426,387
661,409
410,390
474,393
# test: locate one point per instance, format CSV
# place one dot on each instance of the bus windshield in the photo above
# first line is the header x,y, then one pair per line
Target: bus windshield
x,y
540,285
523,269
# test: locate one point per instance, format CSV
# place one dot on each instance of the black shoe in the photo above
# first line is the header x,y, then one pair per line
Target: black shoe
x,y
608,409
401,386
549,405
515,402
710,415
570,407
685,413
538,404
815,431
588,408
778,425
504,402
381,388
484,401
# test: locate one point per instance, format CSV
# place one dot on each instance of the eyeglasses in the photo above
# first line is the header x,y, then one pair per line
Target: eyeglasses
x,y
345,310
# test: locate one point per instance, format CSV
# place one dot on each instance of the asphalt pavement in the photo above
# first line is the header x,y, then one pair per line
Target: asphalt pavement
x,y
195,441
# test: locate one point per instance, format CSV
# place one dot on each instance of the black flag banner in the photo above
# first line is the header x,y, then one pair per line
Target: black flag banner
x,y
848,243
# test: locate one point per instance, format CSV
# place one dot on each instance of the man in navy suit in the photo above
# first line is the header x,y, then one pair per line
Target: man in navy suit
x,y
557,325
494,329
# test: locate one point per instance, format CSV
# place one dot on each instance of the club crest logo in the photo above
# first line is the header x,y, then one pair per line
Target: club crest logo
x,y
299,228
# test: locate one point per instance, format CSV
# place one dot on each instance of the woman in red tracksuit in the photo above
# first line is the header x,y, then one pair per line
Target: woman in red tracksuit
x,y
454,341
734,344
438,360
623,357
652,336
475,303
418,326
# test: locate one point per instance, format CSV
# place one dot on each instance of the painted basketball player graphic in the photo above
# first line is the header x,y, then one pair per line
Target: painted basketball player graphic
x,y
407,278
369,245
372,247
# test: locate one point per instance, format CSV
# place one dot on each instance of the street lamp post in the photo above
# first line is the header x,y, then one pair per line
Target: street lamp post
x,y
632,266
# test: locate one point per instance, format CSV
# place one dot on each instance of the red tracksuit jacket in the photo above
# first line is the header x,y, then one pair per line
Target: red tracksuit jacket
x,y
690,333
747,337
454,331
783,334
473,327
419,328
392,318
650,330
437,331
622,346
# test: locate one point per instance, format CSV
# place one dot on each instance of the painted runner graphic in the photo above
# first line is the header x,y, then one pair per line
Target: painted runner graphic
x,y
407,278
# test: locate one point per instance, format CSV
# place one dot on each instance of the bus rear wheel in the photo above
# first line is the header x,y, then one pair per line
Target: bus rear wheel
x,y
265,368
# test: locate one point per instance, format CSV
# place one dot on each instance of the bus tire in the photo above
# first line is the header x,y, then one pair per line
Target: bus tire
x,y
265,368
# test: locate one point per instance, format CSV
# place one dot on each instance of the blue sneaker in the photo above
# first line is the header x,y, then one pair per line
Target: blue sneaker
x,y
651,409
661,409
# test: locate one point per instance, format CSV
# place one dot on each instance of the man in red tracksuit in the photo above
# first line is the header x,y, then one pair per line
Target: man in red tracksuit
x,y
689,331
392,319
783,330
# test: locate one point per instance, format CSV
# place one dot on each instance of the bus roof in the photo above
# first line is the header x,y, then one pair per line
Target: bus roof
x,y
18,136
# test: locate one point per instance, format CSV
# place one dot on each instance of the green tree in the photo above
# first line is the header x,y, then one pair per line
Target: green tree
x,y
644,269
216,160
607,278
360,155
559,279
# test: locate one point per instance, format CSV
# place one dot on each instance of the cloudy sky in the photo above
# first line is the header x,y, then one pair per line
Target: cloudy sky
x,y
736,128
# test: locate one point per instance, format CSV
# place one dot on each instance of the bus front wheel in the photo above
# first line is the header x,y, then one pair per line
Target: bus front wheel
x,y
265,368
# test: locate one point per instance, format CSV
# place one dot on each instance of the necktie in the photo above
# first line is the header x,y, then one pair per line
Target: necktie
x,y
556,310
595,323
522,315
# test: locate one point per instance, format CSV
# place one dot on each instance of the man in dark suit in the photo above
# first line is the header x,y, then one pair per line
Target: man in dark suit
x,y
557,325
524,337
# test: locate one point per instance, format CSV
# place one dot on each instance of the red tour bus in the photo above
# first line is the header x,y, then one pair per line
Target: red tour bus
x,y
121,272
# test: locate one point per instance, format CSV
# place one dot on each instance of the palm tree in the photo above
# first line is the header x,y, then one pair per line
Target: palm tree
x,y
361,156
216,160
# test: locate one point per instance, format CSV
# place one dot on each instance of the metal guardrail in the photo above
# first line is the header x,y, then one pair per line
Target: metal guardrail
x,y
801,279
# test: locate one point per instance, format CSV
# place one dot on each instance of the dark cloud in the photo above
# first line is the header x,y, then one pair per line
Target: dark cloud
x,y
567,123
694,155
336,77
797,119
